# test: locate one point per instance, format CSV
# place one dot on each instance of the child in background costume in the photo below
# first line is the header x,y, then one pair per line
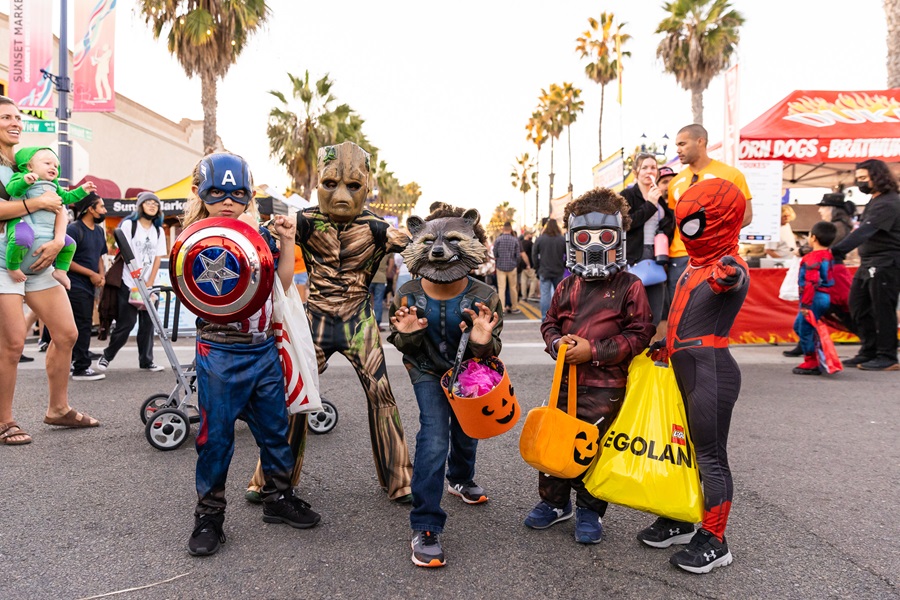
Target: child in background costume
x,y
38,171
707,299
602,313
343,244
239,373
816,280
427,326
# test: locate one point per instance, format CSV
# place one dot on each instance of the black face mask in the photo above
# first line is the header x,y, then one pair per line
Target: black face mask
x,y
99,218
864,187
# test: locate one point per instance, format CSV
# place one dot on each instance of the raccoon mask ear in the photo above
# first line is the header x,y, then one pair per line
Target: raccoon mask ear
x,y
415,225
471,217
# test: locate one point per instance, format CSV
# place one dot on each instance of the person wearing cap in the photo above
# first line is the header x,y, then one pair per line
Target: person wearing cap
x,y
144,232
87,274
835,209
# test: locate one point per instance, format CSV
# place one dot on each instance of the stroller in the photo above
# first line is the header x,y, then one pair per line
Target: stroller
x,y
167,416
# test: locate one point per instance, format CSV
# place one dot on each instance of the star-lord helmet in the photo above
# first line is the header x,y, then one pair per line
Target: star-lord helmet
x,y
595,245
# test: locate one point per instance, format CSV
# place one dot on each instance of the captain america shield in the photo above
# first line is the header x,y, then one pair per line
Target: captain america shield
x,y
221,269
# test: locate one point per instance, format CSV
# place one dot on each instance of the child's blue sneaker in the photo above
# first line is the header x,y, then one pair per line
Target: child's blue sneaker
x,y
543,515
588,526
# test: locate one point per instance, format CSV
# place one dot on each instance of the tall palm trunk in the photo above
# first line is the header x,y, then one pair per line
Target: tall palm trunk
x,y
892,14
569,140
600,124
697,104
552,174
210,104
537,187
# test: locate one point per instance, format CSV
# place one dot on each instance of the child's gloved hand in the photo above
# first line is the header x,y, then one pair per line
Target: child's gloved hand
x,y
406,320
658,351
725,275
483,323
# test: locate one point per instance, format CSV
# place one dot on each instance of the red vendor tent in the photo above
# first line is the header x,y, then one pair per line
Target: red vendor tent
x,y
821,135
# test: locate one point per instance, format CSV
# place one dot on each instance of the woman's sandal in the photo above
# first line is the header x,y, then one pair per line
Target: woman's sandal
x,y
12,430
73,419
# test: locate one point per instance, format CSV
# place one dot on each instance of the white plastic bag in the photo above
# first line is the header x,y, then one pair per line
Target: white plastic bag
x,y
789,287
296,350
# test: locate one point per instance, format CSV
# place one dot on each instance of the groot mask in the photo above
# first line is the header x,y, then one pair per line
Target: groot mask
x,y
343,181
445,246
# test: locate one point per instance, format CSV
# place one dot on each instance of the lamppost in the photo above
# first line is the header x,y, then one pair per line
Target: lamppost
x,y
655,146
63,86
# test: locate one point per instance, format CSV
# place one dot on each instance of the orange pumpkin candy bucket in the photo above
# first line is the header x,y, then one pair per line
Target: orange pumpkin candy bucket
x,y
487,415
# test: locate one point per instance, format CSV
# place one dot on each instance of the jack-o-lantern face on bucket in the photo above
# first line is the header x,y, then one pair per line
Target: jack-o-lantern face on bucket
x,y
507,408
585,450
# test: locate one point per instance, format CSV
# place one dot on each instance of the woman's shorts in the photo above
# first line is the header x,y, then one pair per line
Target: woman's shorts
x,y
301,278
35,283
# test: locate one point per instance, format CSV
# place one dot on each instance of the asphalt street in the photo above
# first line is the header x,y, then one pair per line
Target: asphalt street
x,y
86,513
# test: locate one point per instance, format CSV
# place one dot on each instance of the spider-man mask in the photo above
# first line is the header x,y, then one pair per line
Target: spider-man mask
x,y
709,216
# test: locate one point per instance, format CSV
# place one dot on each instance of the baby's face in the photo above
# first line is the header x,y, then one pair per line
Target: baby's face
x,y
45,165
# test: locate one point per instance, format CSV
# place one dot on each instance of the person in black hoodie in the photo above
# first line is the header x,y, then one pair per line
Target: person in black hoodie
x,y
548,259
649,216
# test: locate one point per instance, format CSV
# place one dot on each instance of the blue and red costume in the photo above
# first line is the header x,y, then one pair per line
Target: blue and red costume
x,y
239,374
707,299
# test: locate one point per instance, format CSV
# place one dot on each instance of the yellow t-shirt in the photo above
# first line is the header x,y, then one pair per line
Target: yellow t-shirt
x,y
681,182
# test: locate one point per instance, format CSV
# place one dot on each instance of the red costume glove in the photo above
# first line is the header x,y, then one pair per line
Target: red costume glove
x,y
659,351
725,275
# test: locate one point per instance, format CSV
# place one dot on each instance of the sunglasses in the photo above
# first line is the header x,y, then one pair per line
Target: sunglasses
x,y
694,179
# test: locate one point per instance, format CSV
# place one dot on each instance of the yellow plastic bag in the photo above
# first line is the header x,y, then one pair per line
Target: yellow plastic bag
x,y
556,442
647,460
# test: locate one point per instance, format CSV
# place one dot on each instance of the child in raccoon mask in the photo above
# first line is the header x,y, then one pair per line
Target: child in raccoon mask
x,y
603,316
427,326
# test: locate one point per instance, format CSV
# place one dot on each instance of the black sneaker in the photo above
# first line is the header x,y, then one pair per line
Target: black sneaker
x,y
426,550
856,360
291,510
25,359
880,363
666,532
795,351
703,554
470,492
87,375
207,535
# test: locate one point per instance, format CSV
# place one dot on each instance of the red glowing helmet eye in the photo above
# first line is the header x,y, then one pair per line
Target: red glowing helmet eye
x,y
582,237
607,236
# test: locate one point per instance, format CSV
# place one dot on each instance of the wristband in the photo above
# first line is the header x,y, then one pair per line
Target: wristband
x,y
24,204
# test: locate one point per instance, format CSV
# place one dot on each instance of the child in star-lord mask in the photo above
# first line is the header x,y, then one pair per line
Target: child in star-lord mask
x,y
602,314
342,245
427,323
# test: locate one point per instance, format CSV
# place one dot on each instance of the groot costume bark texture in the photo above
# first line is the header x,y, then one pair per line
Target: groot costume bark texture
x,y
343,245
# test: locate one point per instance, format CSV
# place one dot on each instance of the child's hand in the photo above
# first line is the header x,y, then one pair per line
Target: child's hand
x,y
406,320
17,275
89,186
483,323
579,350
285,227
29,178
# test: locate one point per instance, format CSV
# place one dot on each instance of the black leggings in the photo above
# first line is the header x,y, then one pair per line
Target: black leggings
x,y
710,381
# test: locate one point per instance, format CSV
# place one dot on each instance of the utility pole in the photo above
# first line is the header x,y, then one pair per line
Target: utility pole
x,y
63,87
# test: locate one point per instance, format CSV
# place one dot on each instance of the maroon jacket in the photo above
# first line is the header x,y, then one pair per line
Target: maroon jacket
x,y
614,315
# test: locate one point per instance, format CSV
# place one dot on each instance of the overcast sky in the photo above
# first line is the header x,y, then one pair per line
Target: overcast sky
x,y
446,88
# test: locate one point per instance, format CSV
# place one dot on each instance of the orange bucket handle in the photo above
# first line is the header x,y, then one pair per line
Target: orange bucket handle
x,y
557,382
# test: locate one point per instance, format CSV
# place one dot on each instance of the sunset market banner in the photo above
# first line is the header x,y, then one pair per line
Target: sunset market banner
x,y
30,50
95,35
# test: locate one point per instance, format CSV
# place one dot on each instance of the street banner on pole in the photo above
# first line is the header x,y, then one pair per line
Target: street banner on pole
x,y
731,145
30,50
610,173
619,67
95,33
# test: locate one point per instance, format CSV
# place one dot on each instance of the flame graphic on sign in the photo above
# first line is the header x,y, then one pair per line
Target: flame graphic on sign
x,y
852,108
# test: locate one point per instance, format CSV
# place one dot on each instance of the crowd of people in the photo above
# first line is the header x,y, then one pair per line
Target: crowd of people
x,y
594,297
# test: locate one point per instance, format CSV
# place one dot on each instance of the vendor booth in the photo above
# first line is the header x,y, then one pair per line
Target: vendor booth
x,y
817,137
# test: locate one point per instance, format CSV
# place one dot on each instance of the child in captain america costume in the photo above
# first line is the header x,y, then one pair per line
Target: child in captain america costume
x,y
707,299
238,370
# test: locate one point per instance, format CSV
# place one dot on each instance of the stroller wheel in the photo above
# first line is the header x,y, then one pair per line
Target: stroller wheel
x,y
324,420
152,404
167,429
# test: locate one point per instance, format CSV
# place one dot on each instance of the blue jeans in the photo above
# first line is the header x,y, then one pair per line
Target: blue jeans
x,y
676,269
805,331
548,286
377,291
438,431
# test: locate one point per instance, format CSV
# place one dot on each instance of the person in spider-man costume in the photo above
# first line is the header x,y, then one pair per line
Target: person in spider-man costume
x,y
707,299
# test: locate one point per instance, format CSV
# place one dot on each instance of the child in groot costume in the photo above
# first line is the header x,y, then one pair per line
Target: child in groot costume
x,y
343,245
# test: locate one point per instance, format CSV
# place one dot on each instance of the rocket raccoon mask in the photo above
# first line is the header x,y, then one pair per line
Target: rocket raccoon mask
x,y
445,249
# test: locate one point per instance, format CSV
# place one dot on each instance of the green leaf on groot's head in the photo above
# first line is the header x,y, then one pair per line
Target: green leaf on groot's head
x,y
330,155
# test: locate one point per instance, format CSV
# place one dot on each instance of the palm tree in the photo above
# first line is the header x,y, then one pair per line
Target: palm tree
x,y
537,135
522,176
206,37
598,45
295,139
565,98
700,39
549,108
892,14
